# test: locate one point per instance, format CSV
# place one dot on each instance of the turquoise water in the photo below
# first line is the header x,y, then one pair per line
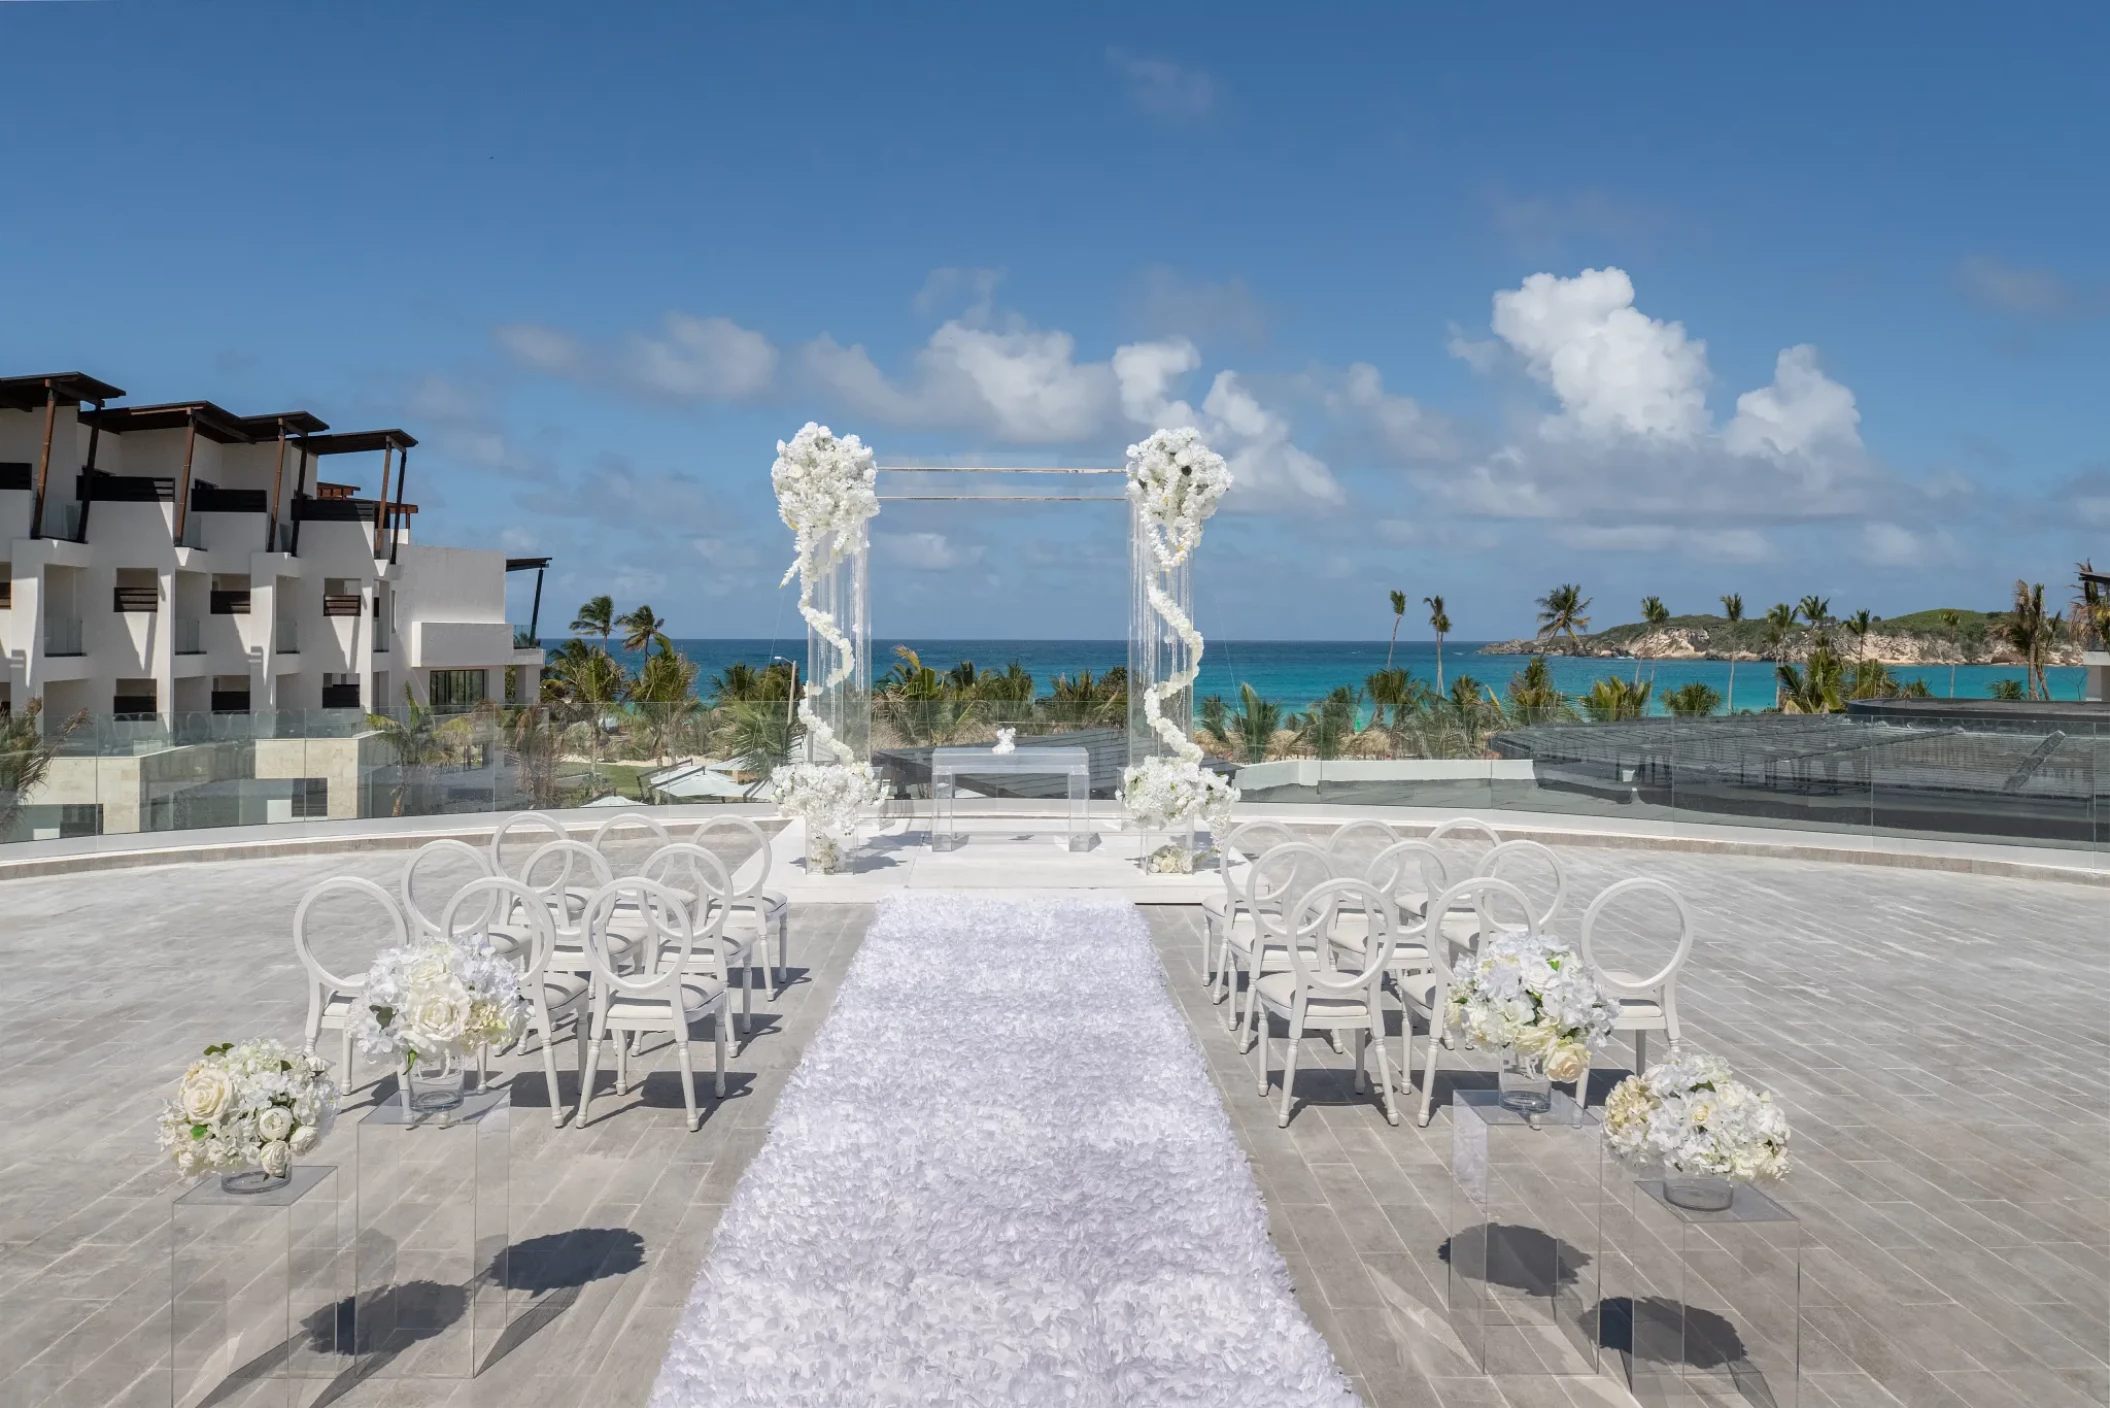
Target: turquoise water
x,y
1294,673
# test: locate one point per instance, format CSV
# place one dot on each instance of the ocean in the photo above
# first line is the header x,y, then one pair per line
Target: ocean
x,y
1294,673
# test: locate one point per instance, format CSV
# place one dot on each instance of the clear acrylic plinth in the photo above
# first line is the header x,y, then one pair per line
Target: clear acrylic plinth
x,y
256,1282
1704,1309
947,765
433,1232
1524,1234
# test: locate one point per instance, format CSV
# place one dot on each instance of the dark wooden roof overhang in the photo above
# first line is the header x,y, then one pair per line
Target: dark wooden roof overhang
x,y
24,393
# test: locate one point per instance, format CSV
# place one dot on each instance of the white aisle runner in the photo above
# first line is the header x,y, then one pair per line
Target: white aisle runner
x,y
1000,1175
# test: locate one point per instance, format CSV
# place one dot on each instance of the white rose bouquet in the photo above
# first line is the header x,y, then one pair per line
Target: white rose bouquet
x,y
244,1106
829,798
1533,994
436,1000
1690,1115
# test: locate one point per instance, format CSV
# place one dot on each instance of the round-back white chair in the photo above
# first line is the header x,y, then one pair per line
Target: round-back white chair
x,y
333,998
699,877
1517,861
1257,944
677,982
755,905
1427,995
423,921
1457,831
1647,1002
1355,844
607,837
512,919
1403,865
1234,853
540,829
564,874
1310,995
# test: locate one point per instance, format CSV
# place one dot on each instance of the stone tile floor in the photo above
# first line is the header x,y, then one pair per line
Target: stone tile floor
x,y
1939,1041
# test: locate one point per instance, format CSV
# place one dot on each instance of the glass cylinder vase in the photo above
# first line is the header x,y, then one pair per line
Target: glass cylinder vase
x,y
1155,651
430,1086
1525,1088
845,705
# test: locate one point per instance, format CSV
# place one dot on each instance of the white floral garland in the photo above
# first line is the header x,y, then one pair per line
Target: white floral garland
x,y
1533,993
1689,1114
1175,481
828,797
827,491
251,1105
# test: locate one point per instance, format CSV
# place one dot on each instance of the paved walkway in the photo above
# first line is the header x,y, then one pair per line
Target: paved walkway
x,y
1938,1039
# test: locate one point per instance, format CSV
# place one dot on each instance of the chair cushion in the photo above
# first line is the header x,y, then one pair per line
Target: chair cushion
x,y
1280,990
1639,1011
696,998
1419,988
562,989
339,1006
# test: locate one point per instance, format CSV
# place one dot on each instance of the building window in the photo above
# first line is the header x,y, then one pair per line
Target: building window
x,y
134,697
455,689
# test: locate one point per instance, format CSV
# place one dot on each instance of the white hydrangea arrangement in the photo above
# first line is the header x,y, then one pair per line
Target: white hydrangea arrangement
x,y
1175,480
829,798
436,1000
1533,994
1690,1115
1006,742
251,1105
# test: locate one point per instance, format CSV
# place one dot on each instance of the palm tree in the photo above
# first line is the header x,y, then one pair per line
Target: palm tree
x,y
1819,687
1860,624
2005,689
586,679
1952,622
1655,615
26,752
1693,701
1533,697
1612,699
2090,612
742,683
1440,623
1561,612
1780,623
1331,720
2030,630
596,618
1254,728
1733,611
642,630
421,740
664,694
1399,612
1817,611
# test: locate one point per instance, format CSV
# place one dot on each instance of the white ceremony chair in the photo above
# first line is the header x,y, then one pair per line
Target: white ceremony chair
x,y
529,934
554,874
1457,830
1257,941
541,829
446,849
698,878
1355,844
1309,996
607,838
674,987
1646,1004
1401,865
1518,862
333,998
1427,995
752,896
1233,858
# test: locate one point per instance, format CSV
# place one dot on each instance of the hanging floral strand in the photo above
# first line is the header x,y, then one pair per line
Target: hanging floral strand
x,y
827,491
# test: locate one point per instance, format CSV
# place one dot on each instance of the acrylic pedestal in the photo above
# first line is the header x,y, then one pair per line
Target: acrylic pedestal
x,y
430,1255
1711,1302
1524,1235
947,765
255,1285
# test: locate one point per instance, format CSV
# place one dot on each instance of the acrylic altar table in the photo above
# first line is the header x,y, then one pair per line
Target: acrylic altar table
x,y
947,765
1524,1234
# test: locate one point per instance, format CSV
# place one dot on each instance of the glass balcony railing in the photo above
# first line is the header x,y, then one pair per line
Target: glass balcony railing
x,y
62,636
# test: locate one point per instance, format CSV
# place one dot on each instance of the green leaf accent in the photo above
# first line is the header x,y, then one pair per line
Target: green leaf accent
x,y
219,1050
199,1131
410,1058
383,1015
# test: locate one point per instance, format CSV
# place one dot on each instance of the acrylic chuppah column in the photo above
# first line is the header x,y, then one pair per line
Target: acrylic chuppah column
x,y
1158,658
839,669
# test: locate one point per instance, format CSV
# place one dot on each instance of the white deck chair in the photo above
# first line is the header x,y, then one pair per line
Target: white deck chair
x,y
1646,1004
1461,828
333,998
673,989
1233,856
1427,995
1310,996
752,895
527,932
698,878
1257,939
424,921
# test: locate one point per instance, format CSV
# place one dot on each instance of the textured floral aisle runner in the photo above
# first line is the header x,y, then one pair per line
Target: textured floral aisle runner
x,y
1000,1175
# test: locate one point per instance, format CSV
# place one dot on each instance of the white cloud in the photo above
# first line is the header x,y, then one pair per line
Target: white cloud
x,y
2036,293
1802,412
1623,537
1267,470
1614,369
1021,384
516,539
925,552
1146,373
689,359
1402,426
1165,89
949,289
1480,354
1169,305
1893,545
1730,545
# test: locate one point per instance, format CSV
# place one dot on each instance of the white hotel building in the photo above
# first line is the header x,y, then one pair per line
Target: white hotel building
x,y
166,564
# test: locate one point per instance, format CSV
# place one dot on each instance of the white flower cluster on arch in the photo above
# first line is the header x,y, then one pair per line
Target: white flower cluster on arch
x,y
827,491
1175,482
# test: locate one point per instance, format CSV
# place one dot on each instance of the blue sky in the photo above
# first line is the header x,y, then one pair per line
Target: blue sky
x,y
1801,298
